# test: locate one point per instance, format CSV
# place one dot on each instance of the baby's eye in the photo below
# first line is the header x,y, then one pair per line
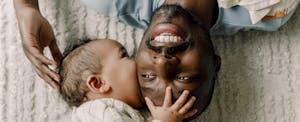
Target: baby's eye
x,y
124,53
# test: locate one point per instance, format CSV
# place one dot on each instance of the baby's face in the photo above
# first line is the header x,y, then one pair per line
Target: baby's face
x,y
120,72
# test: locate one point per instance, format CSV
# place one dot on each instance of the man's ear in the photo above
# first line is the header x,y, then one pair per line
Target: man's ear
x,y
97,85
218,63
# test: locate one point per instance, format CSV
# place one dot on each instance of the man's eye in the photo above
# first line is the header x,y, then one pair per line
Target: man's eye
x,y
148,76
182,78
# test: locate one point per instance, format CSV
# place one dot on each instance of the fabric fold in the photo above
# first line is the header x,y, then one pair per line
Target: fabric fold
x,y
260,10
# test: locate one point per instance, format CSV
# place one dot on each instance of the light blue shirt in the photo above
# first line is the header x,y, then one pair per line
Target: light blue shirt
x,y
138,14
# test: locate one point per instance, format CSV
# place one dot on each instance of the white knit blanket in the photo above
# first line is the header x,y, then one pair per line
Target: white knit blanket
x,y
259,79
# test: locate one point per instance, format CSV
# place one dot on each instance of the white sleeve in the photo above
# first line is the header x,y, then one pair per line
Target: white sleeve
x,y
105,110
95,111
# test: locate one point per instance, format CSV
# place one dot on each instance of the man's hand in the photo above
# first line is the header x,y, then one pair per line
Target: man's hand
x,y
169,112
36,33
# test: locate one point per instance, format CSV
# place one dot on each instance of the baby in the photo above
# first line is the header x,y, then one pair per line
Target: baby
x,y
101,80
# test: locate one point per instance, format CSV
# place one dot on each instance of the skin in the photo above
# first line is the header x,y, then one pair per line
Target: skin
x,y
169,112
37,33
118,71
194,68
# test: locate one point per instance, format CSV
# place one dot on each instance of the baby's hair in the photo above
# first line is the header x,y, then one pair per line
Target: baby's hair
x,y
75,45
78,63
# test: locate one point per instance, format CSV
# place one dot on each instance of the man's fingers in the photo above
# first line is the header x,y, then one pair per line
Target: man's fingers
x,y
48,80
44,59
150,104
168,97
46,70
187,106
51,82
190,113
43,68
36,53
57,55
181,100
55,85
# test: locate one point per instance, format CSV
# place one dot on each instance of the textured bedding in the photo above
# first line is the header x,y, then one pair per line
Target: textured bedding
x,y
259,78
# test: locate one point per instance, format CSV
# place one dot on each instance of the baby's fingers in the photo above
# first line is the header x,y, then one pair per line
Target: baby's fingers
x,y
187,106
190,114
150,104
168,97
181,100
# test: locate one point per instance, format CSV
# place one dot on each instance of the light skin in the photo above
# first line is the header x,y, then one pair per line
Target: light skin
x,y
37,33
117,78
118,71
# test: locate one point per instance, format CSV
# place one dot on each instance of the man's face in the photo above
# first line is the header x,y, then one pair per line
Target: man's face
x,y
175,52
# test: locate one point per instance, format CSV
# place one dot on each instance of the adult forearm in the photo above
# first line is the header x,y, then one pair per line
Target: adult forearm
x,y
19,4
37,34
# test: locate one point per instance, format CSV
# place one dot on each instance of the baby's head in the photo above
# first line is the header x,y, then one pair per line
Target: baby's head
x,y
100,69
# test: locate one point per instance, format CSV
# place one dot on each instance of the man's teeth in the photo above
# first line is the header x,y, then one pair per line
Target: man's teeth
x,y
168,39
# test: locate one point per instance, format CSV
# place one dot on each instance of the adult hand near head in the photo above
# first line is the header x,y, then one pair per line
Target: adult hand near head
x,y
36,33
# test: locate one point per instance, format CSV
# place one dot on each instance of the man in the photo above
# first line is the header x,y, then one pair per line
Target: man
x,y
176,51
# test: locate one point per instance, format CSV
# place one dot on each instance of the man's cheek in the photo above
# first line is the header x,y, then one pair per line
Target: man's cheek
x,y
175,96
156,97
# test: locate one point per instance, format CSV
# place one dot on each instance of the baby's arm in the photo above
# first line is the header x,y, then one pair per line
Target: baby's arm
x,y
170,112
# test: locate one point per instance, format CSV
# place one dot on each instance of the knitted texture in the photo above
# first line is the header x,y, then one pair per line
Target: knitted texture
x,y
259,78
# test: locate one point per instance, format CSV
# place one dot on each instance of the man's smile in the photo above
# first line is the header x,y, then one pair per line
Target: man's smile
x,y
168,35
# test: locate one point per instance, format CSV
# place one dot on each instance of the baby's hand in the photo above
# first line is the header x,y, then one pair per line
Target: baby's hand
x,y
170,112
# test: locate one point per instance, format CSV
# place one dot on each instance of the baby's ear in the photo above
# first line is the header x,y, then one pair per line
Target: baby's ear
x,y
97,85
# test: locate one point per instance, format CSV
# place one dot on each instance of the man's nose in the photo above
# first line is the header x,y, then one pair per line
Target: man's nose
x,y
165,64
165,60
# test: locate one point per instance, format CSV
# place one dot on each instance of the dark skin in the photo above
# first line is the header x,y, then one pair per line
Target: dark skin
x,y
193,67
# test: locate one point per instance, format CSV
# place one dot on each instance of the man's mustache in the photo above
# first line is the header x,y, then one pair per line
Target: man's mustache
x,y
169,50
